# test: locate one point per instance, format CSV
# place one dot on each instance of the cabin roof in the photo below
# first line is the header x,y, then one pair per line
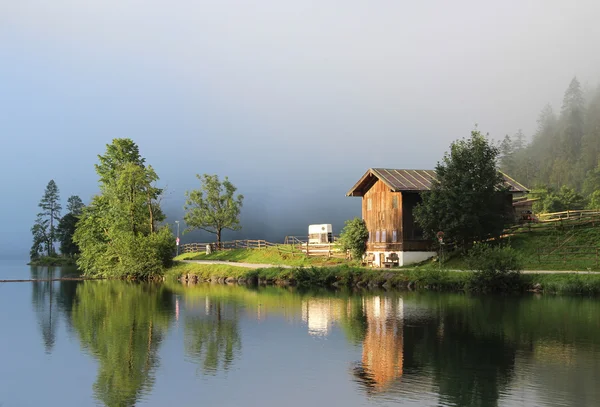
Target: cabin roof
x,y
410,181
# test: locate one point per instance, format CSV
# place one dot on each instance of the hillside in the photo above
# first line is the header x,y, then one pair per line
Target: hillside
x,y
559,246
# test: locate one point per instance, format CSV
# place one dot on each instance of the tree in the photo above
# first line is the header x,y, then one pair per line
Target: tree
x,y
213,207
44,229
466,201
119,233
39,230
354,237
594,200
67,226
75,205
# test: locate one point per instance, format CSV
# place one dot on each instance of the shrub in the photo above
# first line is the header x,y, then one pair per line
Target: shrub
x,y
354,237
495,268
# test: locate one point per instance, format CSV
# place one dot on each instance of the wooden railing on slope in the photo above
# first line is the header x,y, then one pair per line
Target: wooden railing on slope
x,y
549,254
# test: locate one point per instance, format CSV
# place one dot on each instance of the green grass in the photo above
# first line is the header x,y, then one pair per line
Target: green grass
x,y
263,256
527,243
586,284
351,276
48,261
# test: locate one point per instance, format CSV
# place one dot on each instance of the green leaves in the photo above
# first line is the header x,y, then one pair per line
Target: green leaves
x,y
119,233
354,237
467,201
213,207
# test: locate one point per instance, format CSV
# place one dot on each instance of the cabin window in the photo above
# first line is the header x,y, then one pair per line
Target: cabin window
x,y
377,237
394,236
383,237
395,202
369,204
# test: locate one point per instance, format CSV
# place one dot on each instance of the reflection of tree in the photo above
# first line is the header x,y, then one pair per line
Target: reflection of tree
x,y
213,339
49,299
470,368
463,347
122,324
354,321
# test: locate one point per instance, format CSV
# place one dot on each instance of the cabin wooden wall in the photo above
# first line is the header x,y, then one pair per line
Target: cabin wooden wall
x,y
382,216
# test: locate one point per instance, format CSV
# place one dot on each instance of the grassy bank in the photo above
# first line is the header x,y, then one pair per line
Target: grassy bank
x,y
339,276
52,261
268,255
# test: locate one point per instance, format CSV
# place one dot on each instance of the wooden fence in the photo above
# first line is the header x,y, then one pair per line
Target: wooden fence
x,y
569,253
589,215
230,245
294,249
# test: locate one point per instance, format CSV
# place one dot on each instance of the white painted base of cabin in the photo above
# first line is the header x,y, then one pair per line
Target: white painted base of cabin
x,y
405,258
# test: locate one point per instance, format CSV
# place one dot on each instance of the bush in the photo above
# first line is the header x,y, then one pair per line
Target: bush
x,y
354,237
495,268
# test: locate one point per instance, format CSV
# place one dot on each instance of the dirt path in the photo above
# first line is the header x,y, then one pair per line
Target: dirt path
x,y
238,264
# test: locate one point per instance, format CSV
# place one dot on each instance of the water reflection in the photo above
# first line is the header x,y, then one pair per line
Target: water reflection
x,y
212,337
50,300
122,325
382,353
448,349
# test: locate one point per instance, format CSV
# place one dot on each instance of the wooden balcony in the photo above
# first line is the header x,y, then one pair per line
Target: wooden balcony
x,y
406,246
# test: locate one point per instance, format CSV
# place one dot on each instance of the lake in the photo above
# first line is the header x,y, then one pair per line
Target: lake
x,y
115,343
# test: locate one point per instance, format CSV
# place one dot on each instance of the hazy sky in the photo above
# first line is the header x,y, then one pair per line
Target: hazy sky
x,y
293,100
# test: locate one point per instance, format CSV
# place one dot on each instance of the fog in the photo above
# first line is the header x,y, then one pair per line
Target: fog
x,y
293,100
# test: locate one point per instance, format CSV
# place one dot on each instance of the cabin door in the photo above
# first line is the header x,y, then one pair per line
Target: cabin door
x,y
381,259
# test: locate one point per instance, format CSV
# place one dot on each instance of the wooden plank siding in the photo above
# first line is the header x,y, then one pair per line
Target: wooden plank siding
x,y
382,212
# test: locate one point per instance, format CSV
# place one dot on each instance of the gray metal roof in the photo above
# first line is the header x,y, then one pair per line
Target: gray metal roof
x,y
411,180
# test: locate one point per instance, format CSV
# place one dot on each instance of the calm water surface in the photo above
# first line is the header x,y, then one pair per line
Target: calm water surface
x,y
124,344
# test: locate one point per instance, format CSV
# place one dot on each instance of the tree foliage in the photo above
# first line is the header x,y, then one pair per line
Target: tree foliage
x,y
467,201
214,207
119,233
44,229
496,268
67,226
564,151
354,237
122,325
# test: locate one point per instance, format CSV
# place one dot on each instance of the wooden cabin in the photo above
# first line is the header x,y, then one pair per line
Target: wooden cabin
x,y
389,197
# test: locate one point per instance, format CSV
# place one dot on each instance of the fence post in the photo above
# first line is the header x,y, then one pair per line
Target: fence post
x,y
306,249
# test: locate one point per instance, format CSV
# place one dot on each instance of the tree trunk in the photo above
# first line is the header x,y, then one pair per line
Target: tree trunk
x,y
149,203
219,238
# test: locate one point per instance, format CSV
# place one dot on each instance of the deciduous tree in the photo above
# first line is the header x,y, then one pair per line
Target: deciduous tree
x,y
214,207
119,233
354,237
466,201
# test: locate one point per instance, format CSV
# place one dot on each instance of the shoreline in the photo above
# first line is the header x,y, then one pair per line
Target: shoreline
x,y
580,283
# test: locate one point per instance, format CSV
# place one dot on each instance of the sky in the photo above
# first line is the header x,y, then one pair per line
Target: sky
x,y
292,100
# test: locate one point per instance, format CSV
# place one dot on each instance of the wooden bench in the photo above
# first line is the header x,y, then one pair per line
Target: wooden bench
x,y
368,260
391,261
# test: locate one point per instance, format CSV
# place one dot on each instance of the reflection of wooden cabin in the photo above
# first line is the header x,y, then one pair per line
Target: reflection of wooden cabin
x,y
382,347
389,197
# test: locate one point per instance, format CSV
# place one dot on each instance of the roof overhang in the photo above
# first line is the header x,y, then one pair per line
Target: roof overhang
x,y
367,181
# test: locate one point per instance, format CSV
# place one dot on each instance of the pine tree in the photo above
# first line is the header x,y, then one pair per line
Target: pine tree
x,y
44,229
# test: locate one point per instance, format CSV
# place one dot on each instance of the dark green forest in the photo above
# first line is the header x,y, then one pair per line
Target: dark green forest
x,y
560,162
